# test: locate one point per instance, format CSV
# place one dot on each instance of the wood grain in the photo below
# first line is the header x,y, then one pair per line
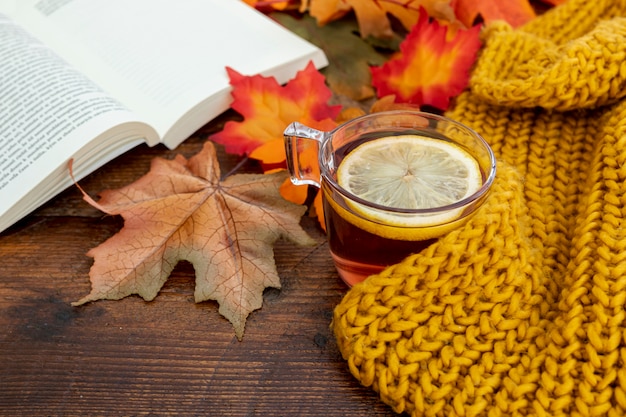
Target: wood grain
x,y
169,356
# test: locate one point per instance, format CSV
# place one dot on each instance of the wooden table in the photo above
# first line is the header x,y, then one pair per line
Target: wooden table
x,y
169,356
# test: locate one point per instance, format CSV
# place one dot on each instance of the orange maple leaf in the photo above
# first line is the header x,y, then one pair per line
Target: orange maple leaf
x,y
325,11
268,108
180,210
429,69
515,12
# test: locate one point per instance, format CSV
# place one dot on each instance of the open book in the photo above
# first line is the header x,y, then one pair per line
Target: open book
x,y
90,79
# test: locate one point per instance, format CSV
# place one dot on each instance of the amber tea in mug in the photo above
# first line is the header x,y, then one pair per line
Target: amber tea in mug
x,y
391,183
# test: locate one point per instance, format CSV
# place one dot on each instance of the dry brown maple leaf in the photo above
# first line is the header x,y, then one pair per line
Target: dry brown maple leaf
x,y
181,210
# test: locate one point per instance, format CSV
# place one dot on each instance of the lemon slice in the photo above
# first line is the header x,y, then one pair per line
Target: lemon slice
x,y
409,172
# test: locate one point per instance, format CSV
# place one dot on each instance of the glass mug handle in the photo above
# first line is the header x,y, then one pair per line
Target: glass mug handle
x,y
302,147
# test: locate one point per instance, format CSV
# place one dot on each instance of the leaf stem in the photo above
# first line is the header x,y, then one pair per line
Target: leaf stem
x,y
235,168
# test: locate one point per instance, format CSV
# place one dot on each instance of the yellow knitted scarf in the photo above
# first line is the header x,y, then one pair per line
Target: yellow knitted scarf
x,y
522,311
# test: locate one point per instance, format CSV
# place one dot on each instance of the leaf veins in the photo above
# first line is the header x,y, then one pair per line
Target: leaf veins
x,y
180,210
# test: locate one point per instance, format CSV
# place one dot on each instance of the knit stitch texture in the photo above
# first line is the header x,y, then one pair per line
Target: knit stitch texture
x,y
522,311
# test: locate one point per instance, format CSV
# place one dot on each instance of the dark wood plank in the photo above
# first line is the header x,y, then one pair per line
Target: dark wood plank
x,y
169,356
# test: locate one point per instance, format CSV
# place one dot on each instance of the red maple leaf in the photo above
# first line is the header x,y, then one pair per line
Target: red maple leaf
x,y
269,5
429,69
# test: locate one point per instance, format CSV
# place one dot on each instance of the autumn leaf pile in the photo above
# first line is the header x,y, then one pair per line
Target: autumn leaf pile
x,y
372,15
383,54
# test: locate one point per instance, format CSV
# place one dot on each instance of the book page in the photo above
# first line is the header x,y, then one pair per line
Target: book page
x,y
162,58
48,113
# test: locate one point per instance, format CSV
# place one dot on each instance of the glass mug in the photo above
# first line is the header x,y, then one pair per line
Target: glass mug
x,y
365,237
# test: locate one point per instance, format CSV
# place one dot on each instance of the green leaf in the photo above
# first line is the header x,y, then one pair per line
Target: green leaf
x,y
349,56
